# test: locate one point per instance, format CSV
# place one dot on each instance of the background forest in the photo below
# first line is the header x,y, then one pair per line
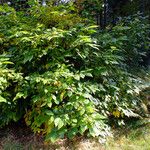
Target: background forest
x,y
71,68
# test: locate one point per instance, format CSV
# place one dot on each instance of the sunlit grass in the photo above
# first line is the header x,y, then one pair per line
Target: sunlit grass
x,y
131,139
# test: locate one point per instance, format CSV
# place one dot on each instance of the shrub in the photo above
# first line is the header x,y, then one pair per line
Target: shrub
x,y
66,81
52,62
62,105
9,80
60,16
135,30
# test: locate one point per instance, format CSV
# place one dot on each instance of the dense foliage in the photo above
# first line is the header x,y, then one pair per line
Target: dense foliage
x,y
66,78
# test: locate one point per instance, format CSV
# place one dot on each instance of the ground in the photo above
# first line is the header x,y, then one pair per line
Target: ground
x,y
131,137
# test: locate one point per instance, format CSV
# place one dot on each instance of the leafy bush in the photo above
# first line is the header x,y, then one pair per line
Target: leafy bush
x,y
59,101
134,31
62,105
59,16
118,97
65,82
9,108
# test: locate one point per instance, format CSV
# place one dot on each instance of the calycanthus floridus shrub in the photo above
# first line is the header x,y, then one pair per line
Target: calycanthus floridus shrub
x,y
70,82
9,80
63,106
60,102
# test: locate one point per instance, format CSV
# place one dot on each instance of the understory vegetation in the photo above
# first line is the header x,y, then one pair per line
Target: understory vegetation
x,y
65,77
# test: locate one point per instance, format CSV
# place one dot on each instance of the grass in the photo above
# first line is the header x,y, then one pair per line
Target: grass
x,y
134,139
136,136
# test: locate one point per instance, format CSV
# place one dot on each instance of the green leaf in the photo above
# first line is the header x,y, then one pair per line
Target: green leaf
x,y
54,97
2,99
77,77
49,104
69,93
18,95
83,129
49,113
7,62
82,111
58,122
90,109
53,136
72,132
